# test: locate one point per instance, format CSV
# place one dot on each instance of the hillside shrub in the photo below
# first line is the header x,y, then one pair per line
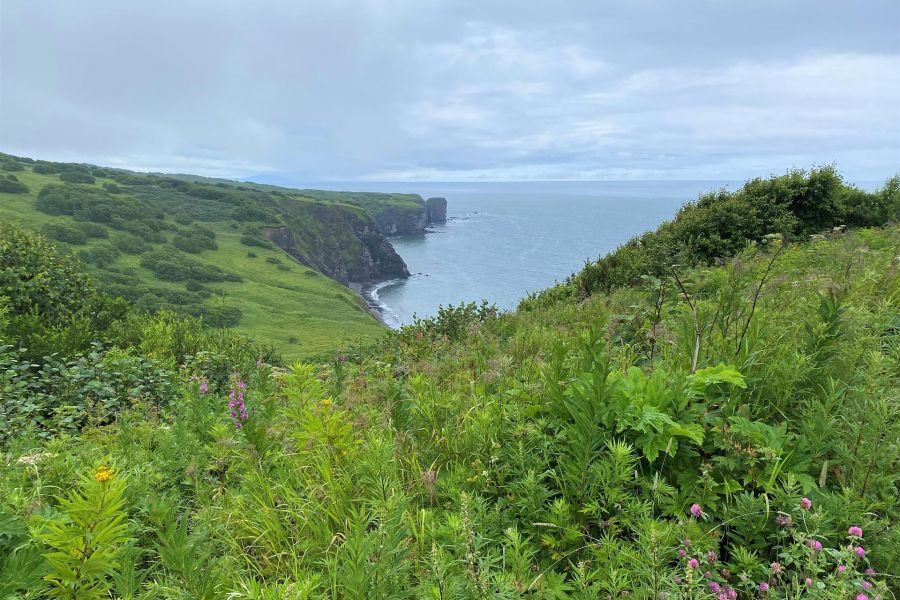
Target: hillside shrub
x,y
130,243
195,240
256,240
172,266
8,186
65,232
76,177
112,188
11,165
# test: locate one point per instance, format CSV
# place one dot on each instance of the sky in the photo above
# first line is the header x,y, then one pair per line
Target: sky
x,y
462,90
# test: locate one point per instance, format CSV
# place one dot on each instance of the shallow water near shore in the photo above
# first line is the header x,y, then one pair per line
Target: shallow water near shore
x,y
504,240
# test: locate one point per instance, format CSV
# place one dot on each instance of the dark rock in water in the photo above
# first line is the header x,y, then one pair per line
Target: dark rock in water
x,y
435,210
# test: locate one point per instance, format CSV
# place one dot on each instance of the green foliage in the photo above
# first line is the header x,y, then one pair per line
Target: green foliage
x,y
721,224
170,266
195,240
76,177
8,186
84,538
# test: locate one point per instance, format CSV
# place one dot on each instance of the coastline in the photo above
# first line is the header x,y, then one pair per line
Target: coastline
x,y
378,309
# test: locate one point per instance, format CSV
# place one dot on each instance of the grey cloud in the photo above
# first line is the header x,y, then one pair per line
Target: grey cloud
x,y
380,89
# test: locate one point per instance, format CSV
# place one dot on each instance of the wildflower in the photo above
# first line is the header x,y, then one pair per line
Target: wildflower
x,y
721,596
805,503
809,582
714,587
325,401
237,410
731,593
841,568
687,541
815,545
693,563
860,552
708,575
103,474
861,596
696,510
341,359
776,568
204,386
869,571
783,520
711,556
855,531
682,552
867,585
763,586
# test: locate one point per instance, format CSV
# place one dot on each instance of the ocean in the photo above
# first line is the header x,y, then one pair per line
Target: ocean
x,y
504,240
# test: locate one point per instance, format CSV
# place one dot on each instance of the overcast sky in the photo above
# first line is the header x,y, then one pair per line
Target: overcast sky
x,y
302,90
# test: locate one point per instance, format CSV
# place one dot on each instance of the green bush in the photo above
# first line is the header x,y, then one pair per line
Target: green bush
x,y
112,188
129,243
100,255
195,240
65,232
76,177
12,187
11,165
171,266
256,240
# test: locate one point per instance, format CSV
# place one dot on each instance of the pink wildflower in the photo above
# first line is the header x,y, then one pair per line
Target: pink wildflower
x,y
861,596
867,585
696,510
714,587
776,568
682,552
841,568
860,552
855,531
869,571
763,586
693,563
805,503
711,556
815,545
204,386
708,574
809,582
732,593
783,520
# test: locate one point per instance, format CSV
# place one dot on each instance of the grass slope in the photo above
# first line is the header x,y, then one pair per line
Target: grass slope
x,y
296,309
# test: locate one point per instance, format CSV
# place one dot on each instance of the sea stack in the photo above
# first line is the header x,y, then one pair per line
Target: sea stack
x,y
436,210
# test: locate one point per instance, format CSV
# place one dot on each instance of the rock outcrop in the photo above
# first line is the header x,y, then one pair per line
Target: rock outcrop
x,y
435,210
393,221
343,245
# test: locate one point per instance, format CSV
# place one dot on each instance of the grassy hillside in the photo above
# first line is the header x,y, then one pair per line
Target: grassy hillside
x,y
231,275
718,431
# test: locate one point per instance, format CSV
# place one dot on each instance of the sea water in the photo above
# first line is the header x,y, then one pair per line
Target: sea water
x,y
502,241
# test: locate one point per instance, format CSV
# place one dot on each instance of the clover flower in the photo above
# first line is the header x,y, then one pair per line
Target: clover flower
x,y
809,582
204,386
784,520
693,563
731,593
714,587
805,503
867,585
855,531
861,596
841,568
776,568
682,552
869,571
815,545
860,551
763,586
696,510
711,556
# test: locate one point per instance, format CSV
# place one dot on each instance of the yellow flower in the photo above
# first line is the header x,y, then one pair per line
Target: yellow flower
x,y
325,401
103,474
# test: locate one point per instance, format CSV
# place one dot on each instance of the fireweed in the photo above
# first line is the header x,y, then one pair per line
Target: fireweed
x,y
237,410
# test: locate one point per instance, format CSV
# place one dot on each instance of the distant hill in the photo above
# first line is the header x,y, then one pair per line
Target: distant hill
x,y
268,261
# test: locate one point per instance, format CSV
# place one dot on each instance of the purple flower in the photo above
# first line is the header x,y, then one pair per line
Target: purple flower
x,y
687,541
708,575
682,552
711,556
809,582
867,585
714,587
763,586
869,571
855,531
693,563
861,596
784,520
732,593
237,410
204,386
805,503
815,545
696,510
860,552
841,568
776,568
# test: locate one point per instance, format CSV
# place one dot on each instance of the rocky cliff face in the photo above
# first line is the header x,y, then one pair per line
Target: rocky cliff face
x,y
400,222
342,244
435,210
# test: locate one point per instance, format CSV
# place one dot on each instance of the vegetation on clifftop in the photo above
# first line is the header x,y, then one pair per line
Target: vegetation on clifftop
x,y
725,431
